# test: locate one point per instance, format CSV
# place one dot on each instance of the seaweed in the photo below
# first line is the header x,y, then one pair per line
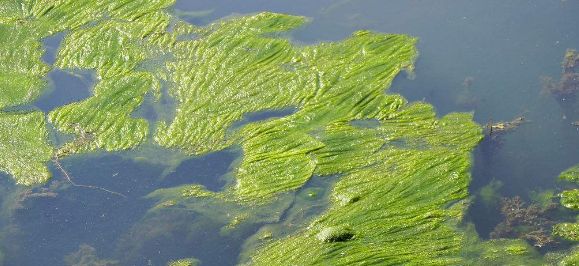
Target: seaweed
x,y
569,199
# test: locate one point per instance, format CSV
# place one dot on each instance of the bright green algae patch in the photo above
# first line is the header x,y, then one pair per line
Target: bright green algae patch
x,y
390,205
395,210
569,199
24,147
108,125
402,180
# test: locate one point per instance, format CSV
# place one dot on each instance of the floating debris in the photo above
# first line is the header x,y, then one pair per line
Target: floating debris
x,y
500,128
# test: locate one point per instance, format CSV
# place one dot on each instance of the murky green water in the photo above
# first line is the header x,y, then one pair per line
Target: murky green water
x,y
485,57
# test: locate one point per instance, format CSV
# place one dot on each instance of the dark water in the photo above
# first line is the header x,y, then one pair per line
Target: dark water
x,y
500,48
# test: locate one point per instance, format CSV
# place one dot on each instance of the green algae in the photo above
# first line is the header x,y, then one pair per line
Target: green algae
x,y
400,215
232,216
571,259
571,174
568,231
184,262
402,179
569,199
490,195
24,147
109,124
21,70
497,251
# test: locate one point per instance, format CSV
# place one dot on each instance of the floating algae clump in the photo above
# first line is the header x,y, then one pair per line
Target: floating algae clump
x,y
23,24
569,199
24,147
402,179
184,262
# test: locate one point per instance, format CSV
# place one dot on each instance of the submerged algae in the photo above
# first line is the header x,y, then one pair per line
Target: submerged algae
x,y
87,256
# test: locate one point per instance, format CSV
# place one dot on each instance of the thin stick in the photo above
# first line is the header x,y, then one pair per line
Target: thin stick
x,y
67,176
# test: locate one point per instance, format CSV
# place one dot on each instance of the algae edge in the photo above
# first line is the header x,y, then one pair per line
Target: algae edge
x,y
239,66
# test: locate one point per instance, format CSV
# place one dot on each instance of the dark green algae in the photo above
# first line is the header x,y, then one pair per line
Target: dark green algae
x,y
393,203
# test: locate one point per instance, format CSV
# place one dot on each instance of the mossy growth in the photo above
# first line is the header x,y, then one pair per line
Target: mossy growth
x,y
571,174
24,147
571,259
569,199
184,262
567,230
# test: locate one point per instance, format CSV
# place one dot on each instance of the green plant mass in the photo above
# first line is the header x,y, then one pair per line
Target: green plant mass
x,y
569,199
402,173
24,147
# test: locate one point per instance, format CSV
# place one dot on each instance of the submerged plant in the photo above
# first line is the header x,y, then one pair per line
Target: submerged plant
x,y
531,222
568,85
86,256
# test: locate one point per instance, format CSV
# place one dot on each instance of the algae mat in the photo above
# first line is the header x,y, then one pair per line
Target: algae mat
x,y
403,172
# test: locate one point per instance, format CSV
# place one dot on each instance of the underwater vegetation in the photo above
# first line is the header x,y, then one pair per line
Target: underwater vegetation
x,y
184,262
568,85
465,98
402,178
532,223
86,256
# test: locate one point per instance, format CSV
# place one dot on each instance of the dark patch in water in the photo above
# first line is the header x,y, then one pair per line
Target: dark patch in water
x,y
207,170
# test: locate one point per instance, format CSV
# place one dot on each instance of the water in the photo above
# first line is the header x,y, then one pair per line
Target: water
x,y
500,48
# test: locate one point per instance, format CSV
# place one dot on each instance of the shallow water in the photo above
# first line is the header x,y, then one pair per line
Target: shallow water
x,y
501,47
